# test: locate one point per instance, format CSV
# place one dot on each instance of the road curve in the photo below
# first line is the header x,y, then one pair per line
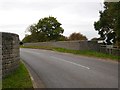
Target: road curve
x,y
61,70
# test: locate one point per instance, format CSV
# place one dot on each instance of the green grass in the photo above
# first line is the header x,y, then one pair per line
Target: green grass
x,y
88,53
18,79
78,52
38,47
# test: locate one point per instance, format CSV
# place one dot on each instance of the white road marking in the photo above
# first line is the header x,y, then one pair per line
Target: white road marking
x,y
32,79
71,62
62,60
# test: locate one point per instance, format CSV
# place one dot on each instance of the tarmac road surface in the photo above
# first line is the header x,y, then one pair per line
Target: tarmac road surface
x,y
62,70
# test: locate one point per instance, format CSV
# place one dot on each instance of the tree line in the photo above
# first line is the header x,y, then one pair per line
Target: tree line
x,y
49,29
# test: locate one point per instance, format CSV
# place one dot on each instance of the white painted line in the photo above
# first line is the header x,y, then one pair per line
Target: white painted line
x,y
72,63
32,78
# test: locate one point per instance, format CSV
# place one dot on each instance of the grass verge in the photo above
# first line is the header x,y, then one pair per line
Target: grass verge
x,y
38,47
78,52
18,79
89,53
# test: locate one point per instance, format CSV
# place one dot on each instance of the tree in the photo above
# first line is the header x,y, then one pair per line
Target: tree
x,y
62,38
107,26
27,38
50,27
32,29
77,36
46,29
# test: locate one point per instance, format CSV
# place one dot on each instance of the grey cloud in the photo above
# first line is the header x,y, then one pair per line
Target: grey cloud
x,y
12,26
88,9
44,4
73,14
31,5
111,0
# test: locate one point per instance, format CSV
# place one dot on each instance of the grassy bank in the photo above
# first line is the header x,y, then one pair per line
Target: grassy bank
x,y
18,79
78,52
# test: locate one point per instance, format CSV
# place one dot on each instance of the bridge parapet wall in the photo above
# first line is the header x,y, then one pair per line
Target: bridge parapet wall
x,y
9,52
78,45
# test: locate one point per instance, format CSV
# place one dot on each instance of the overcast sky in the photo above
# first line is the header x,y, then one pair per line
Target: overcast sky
x,y
74,15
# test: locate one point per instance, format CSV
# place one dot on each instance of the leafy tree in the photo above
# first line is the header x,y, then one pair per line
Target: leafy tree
x,y
27,38
77,36
50,27
46,29
32,29
107,26
62,38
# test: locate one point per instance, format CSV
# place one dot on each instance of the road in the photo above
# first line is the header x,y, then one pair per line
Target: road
x,y
62,70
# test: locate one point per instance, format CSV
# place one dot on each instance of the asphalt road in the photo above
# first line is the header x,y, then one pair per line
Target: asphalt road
x,y
61,70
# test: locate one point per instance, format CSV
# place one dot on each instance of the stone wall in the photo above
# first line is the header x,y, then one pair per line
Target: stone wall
x,y
9,52
74,45
78,45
